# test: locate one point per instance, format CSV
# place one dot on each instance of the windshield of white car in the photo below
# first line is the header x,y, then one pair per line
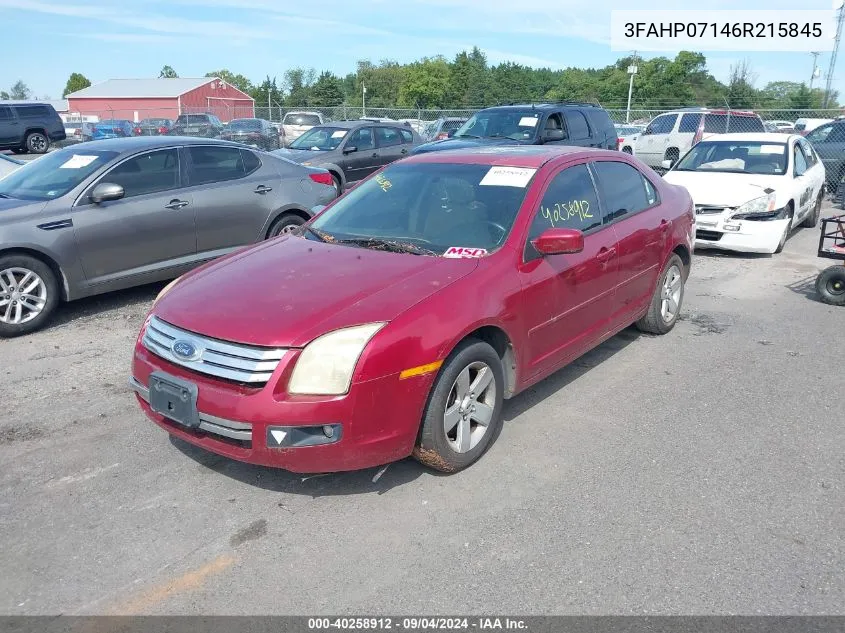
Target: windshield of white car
x,y
323,139
434,209
517,125
54,174
739,157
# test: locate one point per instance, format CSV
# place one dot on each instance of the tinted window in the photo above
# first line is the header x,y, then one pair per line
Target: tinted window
x,y
147,173
5,113
407,136
320,138
301,119
689,123
54,174
569,202
513,124
745,124
837,134
245,124
251,161
820,134
388,137
577,123
215,164
193,119
622,188
362,139
663,124
451,125
32,111
809,154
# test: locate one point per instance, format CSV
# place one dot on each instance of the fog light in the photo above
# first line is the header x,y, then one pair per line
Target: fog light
x,y
328,431
731,227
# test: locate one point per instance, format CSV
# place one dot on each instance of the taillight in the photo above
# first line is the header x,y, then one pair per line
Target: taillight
x,y
322,178
138,131
441,136
162,130
77,132
619,142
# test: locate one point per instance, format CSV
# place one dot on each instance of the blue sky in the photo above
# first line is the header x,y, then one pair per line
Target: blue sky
x,y
46,40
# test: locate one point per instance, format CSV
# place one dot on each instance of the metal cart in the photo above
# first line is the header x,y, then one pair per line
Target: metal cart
x,y
830,284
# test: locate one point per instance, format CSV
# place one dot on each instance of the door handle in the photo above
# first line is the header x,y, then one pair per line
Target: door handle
x,y
404,151
605,254
664,225
262,189
176,204
375,154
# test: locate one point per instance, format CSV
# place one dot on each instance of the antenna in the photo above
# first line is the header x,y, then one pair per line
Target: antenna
x,y
835,52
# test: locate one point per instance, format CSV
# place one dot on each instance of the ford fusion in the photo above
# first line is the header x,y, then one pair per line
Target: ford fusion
x,y
751,190
398,319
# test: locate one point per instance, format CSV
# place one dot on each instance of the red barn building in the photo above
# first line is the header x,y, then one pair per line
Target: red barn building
x,y
136,99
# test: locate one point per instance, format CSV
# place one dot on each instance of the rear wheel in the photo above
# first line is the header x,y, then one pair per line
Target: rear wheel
x,y
338,187
37,143
285,224
463,416
830,284
29,294
667,300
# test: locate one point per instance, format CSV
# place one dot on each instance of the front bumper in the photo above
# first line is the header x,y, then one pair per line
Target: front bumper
x,y
376,422
720,232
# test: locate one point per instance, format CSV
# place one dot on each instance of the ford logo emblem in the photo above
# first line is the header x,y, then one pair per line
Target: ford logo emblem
x,y
185,350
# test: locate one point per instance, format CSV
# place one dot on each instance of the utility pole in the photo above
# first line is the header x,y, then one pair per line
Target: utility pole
x,y
815,69
363,100
835,52
632,70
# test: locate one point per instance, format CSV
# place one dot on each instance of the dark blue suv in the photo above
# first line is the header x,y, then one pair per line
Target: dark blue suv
x,y
567,123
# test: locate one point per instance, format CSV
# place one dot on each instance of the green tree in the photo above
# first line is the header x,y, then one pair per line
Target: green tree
x,y
167,72
383,83
426,84
801,98
5,95
741,92
266,93
76,81
469,79
326,91
238,81
297,82
20,91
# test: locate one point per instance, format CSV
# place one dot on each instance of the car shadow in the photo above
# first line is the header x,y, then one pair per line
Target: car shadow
x,y
382,479
805,287
717,254
89,307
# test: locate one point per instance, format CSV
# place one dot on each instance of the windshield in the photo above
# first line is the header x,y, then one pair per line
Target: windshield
x,y
512,124
736,157
322,139
302,119
440,209
245,124
53,175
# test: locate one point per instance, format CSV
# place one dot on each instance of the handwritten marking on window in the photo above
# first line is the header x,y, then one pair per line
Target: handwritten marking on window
x,y
383,182
563,211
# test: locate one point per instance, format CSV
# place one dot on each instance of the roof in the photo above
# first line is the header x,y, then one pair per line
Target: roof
x,y
775,138
353,125
531,156
543,106
60,105
140,143
140,88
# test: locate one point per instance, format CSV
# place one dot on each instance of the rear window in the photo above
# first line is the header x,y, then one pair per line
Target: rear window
x,y
722,123
31,111
301,119
245,124
193,118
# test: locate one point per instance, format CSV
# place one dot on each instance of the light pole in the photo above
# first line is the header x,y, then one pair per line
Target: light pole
x,y
815,69
632,70
363,100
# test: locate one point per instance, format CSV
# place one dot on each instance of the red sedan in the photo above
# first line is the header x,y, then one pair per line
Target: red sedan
x,y
397,320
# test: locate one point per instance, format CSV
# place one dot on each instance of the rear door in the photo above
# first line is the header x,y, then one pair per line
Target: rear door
x,y
233,194
579,129
389,144
365,159
151,228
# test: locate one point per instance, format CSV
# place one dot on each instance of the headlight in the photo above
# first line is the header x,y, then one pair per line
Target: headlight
x,y
762,205
326,364
165,290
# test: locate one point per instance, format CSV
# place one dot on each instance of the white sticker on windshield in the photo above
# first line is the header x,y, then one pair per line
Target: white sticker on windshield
x,y
338,133
771,149
461,252
528,121
78,160
507,176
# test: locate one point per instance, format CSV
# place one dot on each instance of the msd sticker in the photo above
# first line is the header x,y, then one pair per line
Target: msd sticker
x,y
461,252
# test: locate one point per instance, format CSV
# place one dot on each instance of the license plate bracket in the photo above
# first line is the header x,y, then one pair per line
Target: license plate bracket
x,y
175,399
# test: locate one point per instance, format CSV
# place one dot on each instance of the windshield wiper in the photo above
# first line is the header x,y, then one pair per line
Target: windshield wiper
x,y
392,246
465,136
323,237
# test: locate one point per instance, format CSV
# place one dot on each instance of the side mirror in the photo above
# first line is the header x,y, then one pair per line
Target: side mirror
x,y
106,191
349,150
553,135
559,242
666,164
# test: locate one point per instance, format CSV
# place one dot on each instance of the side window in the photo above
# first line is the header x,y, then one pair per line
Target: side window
x,y
800,162
578,128
388,137
837,134
215,164
6,113
148,173
650,192
662,124
622,187
362,138
251,161
689,123
809,155
570,202
407,136
820,134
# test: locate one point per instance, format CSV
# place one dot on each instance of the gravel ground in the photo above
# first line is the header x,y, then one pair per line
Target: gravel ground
x,y
696,473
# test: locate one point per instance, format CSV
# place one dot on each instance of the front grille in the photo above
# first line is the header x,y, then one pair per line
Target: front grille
x,y
232,361
711,236
703,209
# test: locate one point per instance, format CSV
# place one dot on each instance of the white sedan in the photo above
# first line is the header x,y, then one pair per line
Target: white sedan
x,y
750,190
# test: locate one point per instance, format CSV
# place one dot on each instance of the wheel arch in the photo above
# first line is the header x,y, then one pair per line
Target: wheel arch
x,y
499,340
683,252
46,259
288,210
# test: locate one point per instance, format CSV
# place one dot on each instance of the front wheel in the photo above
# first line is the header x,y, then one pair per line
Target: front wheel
x,y
667,299
463,416
285,224
29,293
830,284
812,220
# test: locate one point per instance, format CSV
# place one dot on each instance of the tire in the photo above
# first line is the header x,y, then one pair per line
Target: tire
x,y
462,445
627,150
669,291
17,317
285,224
338,187
812,220
830,284
37,143
786,231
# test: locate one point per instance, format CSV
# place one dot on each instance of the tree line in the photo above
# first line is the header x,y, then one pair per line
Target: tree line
x,y
469,81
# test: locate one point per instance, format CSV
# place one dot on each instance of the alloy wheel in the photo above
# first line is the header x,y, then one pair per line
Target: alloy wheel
x,y
23,295
671,294
469,407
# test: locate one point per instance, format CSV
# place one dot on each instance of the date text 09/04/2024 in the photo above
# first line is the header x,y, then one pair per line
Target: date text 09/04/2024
x,y
416,623
726,29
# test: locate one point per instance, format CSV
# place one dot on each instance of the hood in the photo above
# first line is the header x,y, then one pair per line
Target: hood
x,y
722,189
286,292
463,143
301,155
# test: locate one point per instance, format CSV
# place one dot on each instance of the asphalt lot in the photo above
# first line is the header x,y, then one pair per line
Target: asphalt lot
x,y
700,472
